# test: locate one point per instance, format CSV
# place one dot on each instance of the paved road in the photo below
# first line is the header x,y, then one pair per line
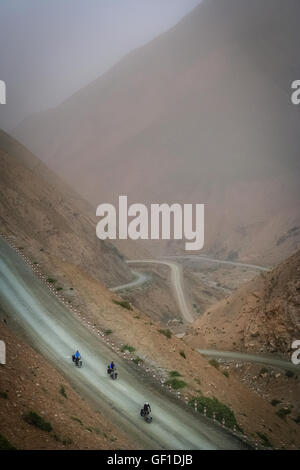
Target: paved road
x,y
177,279
177,285
245,357
57,333
139,280
218,261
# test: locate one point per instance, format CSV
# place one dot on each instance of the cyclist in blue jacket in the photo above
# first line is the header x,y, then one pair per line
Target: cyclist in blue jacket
x,y
77,356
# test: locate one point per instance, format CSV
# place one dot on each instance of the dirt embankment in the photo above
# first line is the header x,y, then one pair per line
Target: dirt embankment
x,y
48,217
29,383
262,316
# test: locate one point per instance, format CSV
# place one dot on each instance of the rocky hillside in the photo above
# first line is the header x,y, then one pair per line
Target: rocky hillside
x,y
28,383
161,354
197,115
51,220
263,316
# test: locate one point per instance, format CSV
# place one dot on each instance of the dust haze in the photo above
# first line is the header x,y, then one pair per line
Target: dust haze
x,y
50,49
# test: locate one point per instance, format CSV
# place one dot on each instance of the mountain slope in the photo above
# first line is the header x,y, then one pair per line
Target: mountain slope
x,y
52,221
30,383
264,315
201,114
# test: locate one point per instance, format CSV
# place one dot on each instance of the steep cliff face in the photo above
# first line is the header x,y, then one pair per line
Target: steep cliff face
x,y
49,219
263,316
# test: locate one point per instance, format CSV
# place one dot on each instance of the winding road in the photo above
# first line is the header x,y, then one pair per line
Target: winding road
x,y
139,280
177,281
246,357
218,261
56,332
177,285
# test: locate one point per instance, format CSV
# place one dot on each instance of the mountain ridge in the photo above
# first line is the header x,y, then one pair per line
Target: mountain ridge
x,y
38,208
200,114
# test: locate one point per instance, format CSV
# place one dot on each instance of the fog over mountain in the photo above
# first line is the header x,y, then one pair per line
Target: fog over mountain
x,y
201,114
50,49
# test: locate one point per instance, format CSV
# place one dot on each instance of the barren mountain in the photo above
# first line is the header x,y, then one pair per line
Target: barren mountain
x,y
36,211
159,354
201,114
263,316
39,209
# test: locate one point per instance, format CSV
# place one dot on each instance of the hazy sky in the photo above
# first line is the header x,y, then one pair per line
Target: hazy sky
x,y
51,48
